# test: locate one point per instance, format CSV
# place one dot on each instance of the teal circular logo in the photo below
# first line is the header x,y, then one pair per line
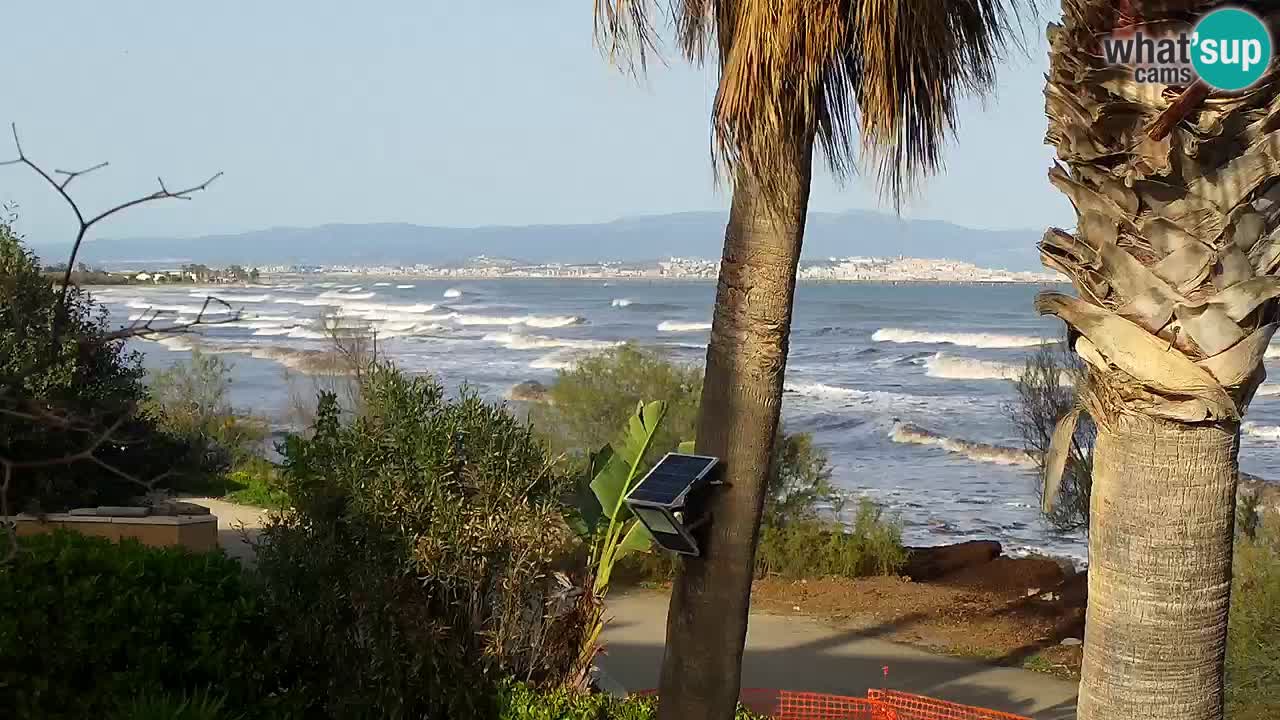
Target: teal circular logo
x,y
1231,49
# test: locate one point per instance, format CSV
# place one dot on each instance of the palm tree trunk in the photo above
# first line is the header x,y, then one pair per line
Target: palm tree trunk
x,y
1159,571
1174,258
738,421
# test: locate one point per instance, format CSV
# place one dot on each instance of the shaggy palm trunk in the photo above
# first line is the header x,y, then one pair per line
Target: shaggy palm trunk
x,y
1174,259
738,421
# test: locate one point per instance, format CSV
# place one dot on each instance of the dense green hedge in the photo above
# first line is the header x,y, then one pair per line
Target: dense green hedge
x,y
86,624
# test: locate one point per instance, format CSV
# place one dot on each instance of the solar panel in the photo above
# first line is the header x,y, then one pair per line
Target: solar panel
x,y
673,476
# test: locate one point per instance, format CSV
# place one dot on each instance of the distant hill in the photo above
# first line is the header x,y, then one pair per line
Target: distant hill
x,y
654,237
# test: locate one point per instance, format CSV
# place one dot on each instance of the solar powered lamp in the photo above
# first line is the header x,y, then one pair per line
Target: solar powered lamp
x,y
661,499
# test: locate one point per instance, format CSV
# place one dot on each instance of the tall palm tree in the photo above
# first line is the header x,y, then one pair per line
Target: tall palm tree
x,y
1173,258
792,74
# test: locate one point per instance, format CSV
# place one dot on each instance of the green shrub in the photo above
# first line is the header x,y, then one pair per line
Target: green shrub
x,y
518,702
86,623
809,548
589,402
191,401
1253,652
64,395
256,482
415,568
202,705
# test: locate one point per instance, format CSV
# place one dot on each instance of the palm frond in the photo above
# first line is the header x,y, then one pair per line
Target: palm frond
x,y
890,71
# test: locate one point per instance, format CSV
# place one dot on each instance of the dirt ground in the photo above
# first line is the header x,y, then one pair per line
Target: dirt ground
x,y
1009,611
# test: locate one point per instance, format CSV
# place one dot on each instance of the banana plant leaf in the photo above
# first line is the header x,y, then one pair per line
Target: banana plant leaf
x,y
616,475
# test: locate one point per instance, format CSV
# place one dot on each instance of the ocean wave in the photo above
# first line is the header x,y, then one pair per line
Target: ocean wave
x,y
405,287
453,293
538,321
977,340
981,452
1266,432
306,334
212,309
620,302
517,341
677,326
272,331
382,284
345,295
947,367
231,297
562,359
1268,389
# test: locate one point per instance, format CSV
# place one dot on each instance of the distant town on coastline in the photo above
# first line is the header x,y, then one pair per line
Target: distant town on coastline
x,y
851,269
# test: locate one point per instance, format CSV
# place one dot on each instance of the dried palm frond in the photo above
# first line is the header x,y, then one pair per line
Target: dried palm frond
x,y
889,71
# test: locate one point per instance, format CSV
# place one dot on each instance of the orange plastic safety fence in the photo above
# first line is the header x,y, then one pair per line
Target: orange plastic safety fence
x,y
919,707
878,705
787,705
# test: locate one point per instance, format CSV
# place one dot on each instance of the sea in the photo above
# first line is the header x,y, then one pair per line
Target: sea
x,y
904,385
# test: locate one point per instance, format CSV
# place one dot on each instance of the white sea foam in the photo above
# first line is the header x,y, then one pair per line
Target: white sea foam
x,y
620,302
554,321
977,340
306,334
947,367
355,289
212,309
980,452
676,326
231,297
517,341
405,287
344,296
1265,432
1268,389
272,331
538,321
382,284
1273,352
453,293
562,359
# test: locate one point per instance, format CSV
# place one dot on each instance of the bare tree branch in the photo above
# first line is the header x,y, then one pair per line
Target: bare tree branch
x,y
142,329
61,187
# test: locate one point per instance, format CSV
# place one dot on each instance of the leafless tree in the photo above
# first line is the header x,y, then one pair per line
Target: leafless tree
x,y
97,432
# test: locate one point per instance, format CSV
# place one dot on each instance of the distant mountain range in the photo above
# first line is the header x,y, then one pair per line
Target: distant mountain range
x,y
653,237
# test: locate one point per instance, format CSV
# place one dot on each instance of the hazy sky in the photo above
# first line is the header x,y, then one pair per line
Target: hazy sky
x,y
423,111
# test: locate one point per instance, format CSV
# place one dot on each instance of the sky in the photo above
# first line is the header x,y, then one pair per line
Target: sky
x,y
420,111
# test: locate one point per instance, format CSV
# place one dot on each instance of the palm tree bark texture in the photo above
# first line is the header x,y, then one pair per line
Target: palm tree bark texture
x,y
741,400
1173,259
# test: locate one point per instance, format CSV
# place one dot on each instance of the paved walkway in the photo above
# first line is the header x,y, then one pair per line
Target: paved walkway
x,y
782,651
803,654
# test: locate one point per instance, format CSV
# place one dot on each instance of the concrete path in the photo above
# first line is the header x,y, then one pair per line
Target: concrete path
x,y
796,653
238,525
786,652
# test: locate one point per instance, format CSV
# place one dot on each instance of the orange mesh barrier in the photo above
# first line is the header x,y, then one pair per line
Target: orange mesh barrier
x,y
787,705
919,707
878,705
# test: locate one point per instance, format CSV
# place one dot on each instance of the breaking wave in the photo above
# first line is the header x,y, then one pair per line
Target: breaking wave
x,y
538,321
562,359
977,340
453,293
676,326
1266,432
517,341
405,287
947,367
620,302
981,452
